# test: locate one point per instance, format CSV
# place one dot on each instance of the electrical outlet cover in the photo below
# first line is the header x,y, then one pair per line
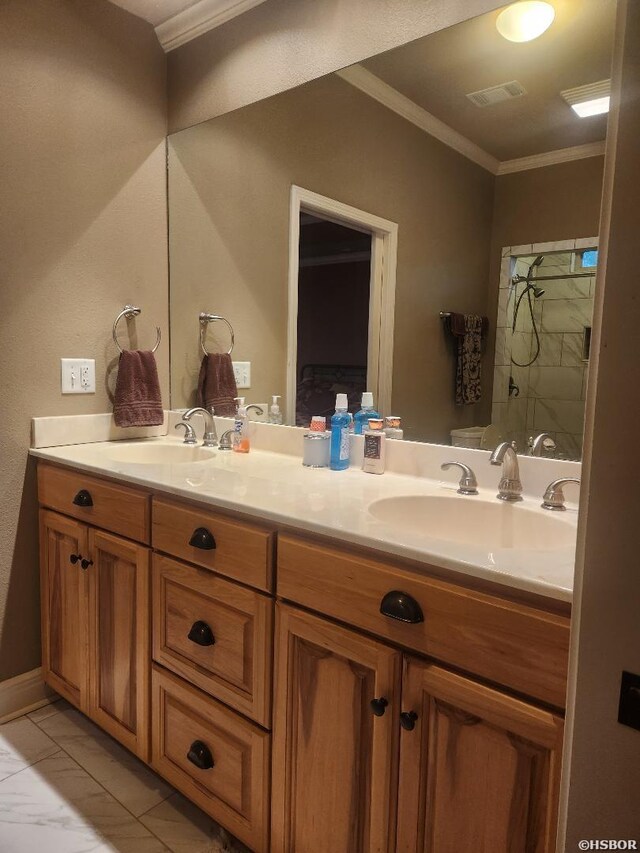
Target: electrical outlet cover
x,y
242,372
78,375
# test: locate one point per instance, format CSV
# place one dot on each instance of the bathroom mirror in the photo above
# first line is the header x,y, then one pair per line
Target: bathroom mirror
x,y
333,224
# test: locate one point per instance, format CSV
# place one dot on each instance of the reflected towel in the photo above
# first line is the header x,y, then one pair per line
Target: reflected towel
x,y
468,329
217,384
138,401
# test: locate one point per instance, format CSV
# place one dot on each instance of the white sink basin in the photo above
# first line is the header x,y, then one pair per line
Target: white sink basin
x,y
474,521
159,454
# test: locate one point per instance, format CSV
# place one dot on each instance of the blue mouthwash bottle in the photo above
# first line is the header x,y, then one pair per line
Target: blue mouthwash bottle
x,y
340,435
361,418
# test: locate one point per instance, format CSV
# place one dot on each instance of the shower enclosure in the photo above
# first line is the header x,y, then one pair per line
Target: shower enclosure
x,y
543,338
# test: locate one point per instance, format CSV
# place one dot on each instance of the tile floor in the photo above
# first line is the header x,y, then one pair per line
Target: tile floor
x,y
67,787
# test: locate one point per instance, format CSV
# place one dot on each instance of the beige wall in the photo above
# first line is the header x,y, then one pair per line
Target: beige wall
x,y
603,759
229,191
283,43
82,231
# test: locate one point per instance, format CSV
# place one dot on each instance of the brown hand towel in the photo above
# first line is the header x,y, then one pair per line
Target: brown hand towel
x,y
468,330
217,384
138,401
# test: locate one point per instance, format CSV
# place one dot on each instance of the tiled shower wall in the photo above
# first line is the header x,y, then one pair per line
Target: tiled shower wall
x,y
551,390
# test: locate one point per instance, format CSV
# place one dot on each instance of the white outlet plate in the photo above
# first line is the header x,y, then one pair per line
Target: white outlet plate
x,y
78,375
242,371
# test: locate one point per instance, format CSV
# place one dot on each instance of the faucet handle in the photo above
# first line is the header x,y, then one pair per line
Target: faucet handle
x,y
541,444
554,495
189,432
468,484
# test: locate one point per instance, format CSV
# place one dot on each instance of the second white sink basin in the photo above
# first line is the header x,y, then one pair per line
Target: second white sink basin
x,y
141,453
474,521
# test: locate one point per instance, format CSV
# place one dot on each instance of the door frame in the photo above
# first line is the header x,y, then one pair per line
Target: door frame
x,y
382,290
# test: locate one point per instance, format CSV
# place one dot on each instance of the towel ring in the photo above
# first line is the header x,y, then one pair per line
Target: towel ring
x,y
128,312
205,319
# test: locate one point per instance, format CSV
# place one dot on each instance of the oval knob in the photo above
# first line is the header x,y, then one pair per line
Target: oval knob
x,y
203,539
200,755
408,720
83,498
401,606
379,706
201,634
73,558
84,564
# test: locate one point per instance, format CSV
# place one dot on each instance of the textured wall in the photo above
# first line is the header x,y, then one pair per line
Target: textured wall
x,y
82,231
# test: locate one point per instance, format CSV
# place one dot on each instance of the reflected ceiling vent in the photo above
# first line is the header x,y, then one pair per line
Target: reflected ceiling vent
x,y
495,94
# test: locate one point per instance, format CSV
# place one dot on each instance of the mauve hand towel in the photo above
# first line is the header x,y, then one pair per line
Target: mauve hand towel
x,y
217,384
138,401
469,330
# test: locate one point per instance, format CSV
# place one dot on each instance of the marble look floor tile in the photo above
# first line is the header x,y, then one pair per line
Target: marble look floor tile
x,y
49,710
185,828
21,744
55,806
120,772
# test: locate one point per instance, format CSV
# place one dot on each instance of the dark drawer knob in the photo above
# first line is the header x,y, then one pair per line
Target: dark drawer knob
x,y
200,755
83,498
84,564
73,558
379,706
401,606
203,539
408,720
201,634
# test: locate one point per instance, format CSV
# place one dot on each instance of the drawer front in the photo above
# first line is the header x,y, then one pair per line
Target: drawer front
x,y
511,644
214,633
118,509
232,548
216,758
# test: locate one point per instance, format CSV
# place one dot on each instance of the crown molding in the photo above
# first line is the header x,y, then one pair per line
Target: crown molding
x,y
198,19
551,158
380,91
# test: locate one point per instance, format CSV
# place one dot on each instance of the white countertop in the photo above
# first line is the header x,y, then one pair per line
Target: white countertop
x,y
276,487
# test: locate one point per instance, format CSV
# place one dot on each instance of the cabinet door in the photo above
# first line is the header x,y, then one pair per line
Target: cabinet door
x,y
63,590
119,639
479,771
334,761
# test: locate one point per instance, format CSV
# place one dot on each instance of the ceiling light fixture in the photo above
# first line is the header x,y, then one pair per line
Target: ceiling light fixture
x,y
590,100
526,20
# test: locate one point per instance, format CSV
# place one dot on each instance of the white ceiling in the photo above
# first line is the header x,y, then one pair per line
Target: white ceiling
x,y
155,11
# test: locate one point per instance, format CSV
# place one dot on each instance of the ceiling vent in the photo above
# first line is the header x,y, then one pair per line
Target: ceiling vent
x,y
495,94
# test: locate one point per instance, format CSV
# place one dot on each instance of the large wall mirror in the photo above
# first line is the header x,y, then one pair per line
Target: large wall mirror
x,y
399,226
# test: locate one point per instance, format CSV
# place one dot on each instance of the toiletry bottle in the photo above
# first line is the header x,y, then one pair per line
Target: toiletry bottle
x,y
340,435
275,415
374,447
392,427
367,411
241,443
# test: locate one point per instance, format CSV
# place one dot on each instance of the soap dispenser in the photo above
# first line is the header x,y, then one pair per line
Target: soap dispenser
x,y
241,443
275,415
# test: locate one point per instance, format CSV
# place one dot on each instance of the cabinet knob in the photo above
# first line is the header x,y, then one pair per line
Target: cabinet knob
x,y
408,720
203,539
73,558
379,706
201,634
84,564
83,498
401,606
200,755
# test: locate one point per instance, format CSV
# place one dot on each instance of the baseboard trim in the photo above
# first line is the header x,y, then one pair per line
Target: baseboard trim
x,y
23,694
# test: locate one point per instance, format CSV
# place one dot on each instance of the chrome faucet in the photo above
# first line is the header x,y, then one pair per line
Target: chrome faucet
x,y
259,409
510,487
189,432
542,444
210,433
468,484
226,442
554,495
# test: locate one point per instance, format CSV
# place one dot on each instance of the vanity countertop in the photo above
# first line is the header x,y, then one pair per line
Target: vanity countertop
x,y
276,487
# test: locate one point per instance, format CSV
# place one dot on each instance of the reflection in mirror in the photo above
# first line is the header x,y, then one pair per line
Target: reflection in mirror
x,y
333,224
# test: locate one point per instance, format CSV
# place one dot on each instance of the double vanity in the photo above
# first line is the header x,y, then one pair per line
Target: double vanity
x,y
322,661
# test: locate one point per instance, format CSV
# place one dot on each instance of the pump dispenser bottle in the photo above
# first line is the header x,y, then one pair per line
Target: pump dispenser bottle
x,y
275,415
361,418
340,447
241,443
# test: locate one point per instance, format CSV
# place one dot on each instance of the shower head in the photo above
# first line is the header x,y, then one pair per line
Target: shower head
x,y
537,261
537,291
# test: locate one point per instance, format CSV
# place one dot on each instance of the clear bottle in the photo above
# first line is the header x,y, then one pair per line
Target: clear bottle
x,y
361,418
241,442
275,415
340,445
393,427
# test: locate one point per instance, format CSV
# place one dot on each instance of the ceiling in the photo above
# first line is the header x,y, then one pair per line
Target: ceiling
x,y
155,11
436,73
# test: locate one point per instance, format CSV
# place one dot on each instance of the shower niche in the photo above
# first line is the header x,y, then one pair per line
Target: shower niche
x,y
543,338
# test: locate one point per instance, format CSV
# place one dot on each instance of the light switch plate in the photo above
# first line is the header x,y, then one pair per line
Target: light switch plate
x,y
242,372
78,375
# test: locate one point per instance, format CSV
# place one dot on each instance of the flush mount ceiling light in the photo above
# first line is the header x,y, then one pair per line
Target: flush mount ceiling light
x,y
526,20
591,100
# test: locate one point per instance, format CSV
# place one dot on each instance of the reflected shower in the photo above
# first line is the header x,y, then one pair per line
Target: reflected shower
x,y
528,290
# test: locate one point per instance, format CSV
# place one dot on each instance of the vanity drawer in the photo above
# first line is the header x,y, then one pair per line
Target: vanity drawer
x,y
216,758
512,644
116,508
215,633
240,551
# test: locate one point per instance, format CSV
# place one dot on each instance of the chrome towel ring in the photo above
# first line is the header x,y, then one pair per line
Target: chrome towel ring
x,y
128,312
205,319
